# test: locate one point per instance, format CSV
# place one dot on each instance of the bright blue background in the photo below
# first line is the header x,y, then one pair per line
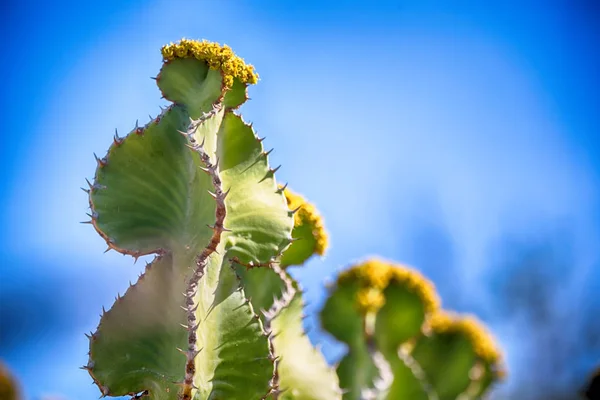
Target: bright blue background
x,y
463,140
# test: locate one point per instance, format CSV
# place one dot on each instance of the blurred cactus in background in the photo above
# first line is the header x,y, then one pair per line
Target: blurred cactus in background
x,y
8,386
216,315
401,344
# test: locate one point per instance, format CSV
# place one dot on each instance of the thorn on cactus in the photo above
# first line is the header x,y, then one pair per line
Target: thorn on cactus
x,y
282,188
294,211
116,139
266,153
101,161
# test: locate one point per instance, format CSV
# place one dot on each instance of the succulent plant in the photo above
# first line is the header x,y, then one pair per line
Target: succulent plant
x,y
216,315
401,345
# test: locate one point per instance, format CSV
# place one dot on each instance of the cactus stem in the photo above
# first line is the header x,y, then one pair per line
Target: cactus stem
x,y
201,263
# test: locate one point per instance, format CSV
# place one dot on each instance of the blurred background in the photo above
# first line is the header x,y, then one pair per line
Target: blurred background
x,y
463,140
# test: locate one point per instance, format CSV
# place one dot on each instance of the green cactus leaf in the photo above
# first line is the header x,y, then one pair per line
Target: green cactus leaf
x,y
399,320
405,384
257,213
141,195
237,95
450,377
191,82
235,362
262,286
135,346
303,371
357,372
471,357
484,377
300,250
340,316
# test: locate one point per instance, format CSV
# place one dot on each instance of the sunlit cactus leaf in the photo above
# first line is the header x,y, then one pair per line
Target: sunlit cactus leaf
x,y
303,371
262,286
257,213
234,360
141,195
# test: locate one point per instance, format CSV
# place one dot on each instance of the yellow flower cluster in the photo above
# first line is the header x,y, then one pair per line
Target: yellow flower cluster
x,y
307,214
216,56
482,341
375,275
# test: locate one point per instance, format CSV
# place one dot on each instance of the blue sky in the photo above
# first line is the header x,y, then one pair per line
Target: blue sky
x,y
423,135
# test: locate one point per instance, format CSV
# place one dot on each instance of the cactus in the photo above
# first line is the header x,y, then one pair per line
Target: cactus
x,y
401,344
193,186
216,315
